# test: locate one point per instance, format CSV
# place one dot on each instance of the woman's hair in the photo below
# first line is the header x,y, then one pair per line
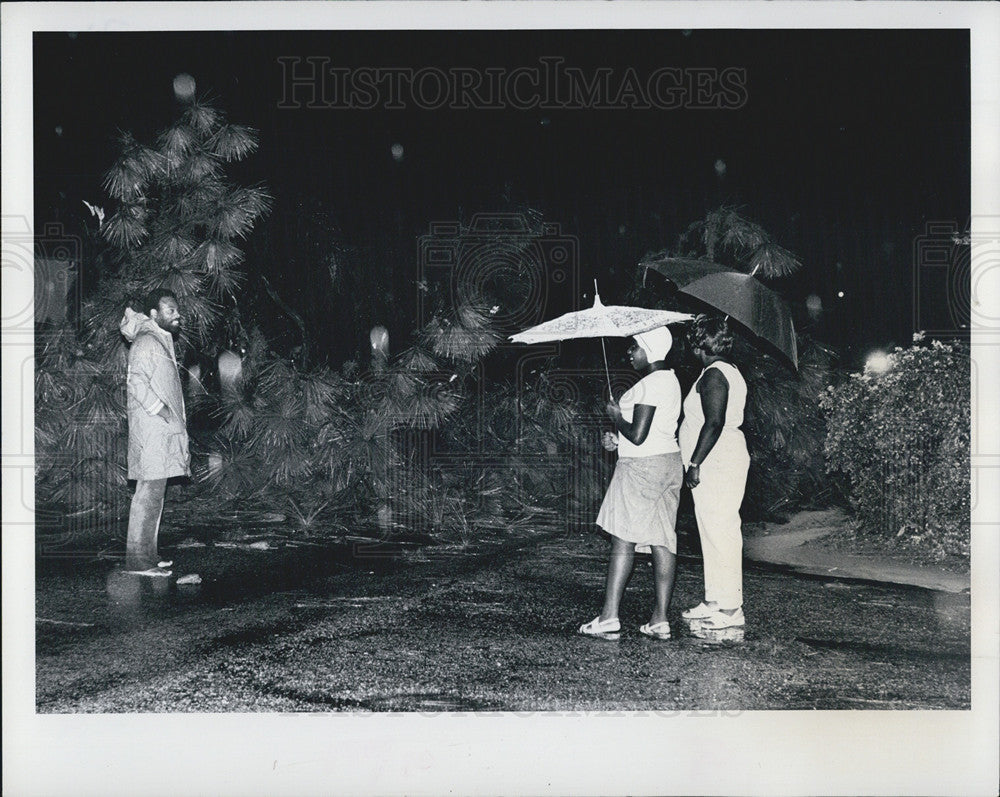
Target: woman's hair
x,y
151,301
711,334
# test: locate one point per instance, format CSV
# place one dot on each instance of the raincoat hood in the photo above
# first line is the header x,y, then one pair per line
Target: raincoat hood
x,y
133,323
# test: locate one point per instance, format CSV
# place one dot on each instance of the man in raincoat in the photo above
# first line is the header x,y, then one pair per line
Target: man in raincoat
x,y
157,429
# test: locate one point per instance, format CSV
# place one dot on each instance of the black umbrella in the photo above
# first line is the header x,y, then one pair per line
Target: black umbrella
x,y
741,296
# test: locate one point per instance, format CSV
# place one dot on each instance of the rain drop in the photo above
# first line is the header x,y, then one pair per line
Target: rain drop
x,y
59,130
184,87
720,167
397,152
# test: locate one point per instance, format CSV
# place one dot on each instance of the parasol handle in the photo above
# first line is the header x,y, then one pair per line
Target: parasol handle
x,y
607,373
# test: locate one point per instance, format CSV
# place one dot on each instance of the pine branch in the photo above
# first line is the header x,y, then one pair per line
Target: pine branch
x,y
124,230
291,314
417,359
231,221
202,117
771,260
225,282
198,167
176,143
217,255
234,142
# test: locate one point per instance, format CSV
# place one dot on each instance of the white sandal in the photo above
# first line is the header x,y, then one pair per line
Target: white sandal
x,y
699,612
657,630
608,629
154,572
719,620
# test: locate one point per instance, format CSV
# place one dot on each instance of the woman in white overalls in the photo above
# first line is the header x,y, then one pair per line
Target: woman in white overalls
x,y
716,460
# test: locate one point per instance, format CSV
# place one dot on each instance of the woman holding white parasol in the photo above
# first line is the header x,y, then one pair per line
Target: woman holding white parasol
x,y
640,506
639,510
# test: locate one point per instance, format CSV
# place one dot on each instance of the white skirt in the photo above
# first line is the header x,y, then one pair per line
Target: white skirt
x,y
640,504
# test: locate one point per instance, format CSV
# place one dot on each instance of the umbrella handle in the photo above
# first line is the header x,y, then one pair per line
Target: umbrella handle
x,y
607,373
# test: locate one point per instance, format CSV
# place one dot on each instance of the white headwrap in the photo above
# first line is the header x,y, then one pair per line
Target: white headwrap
x,y
656,343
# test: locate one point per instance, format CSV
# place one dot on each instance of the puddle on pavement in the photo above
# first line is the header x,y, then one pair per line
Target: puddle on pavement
x,y
827,699
715,636
247,636
884,652
403,701
424,701
235,575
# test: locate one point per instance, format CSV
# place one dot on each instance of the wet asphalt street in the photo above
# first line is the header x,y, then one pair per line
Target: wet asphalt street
x,y
484,628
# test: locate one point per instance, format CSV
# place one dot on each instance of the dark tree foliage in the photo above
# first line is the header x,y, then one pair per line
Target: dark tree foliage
x,y
178,222
421,442
784,426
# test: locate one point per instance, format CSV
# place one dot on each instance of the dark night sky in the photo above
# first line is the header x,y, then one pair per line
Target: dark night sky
x,y
848,144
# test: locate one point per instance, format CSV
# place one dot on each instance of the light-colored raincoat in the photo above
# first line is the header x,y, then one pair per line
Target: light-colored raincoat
x,y
157,448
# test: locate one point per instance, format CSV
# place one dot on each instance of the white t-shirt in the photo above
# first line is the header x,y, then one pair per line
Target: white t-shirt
x,y
659,389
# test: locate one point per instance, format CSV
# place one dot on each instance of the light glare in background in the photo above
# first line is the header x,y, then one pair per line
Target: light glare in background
x,y
877,363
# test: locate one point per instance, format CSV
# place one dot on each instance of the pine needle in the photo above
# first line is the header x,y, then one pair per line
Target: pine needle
x,y
226,282
202,117
176,142
217,254
198,167
124,231
771,261
172,248
460,343
186,284
232,221
254,202
234,142
416,359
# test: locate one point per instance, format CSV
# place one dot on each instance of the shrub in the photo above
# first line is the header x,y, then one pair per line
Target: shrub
x,y
902,438
785,429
